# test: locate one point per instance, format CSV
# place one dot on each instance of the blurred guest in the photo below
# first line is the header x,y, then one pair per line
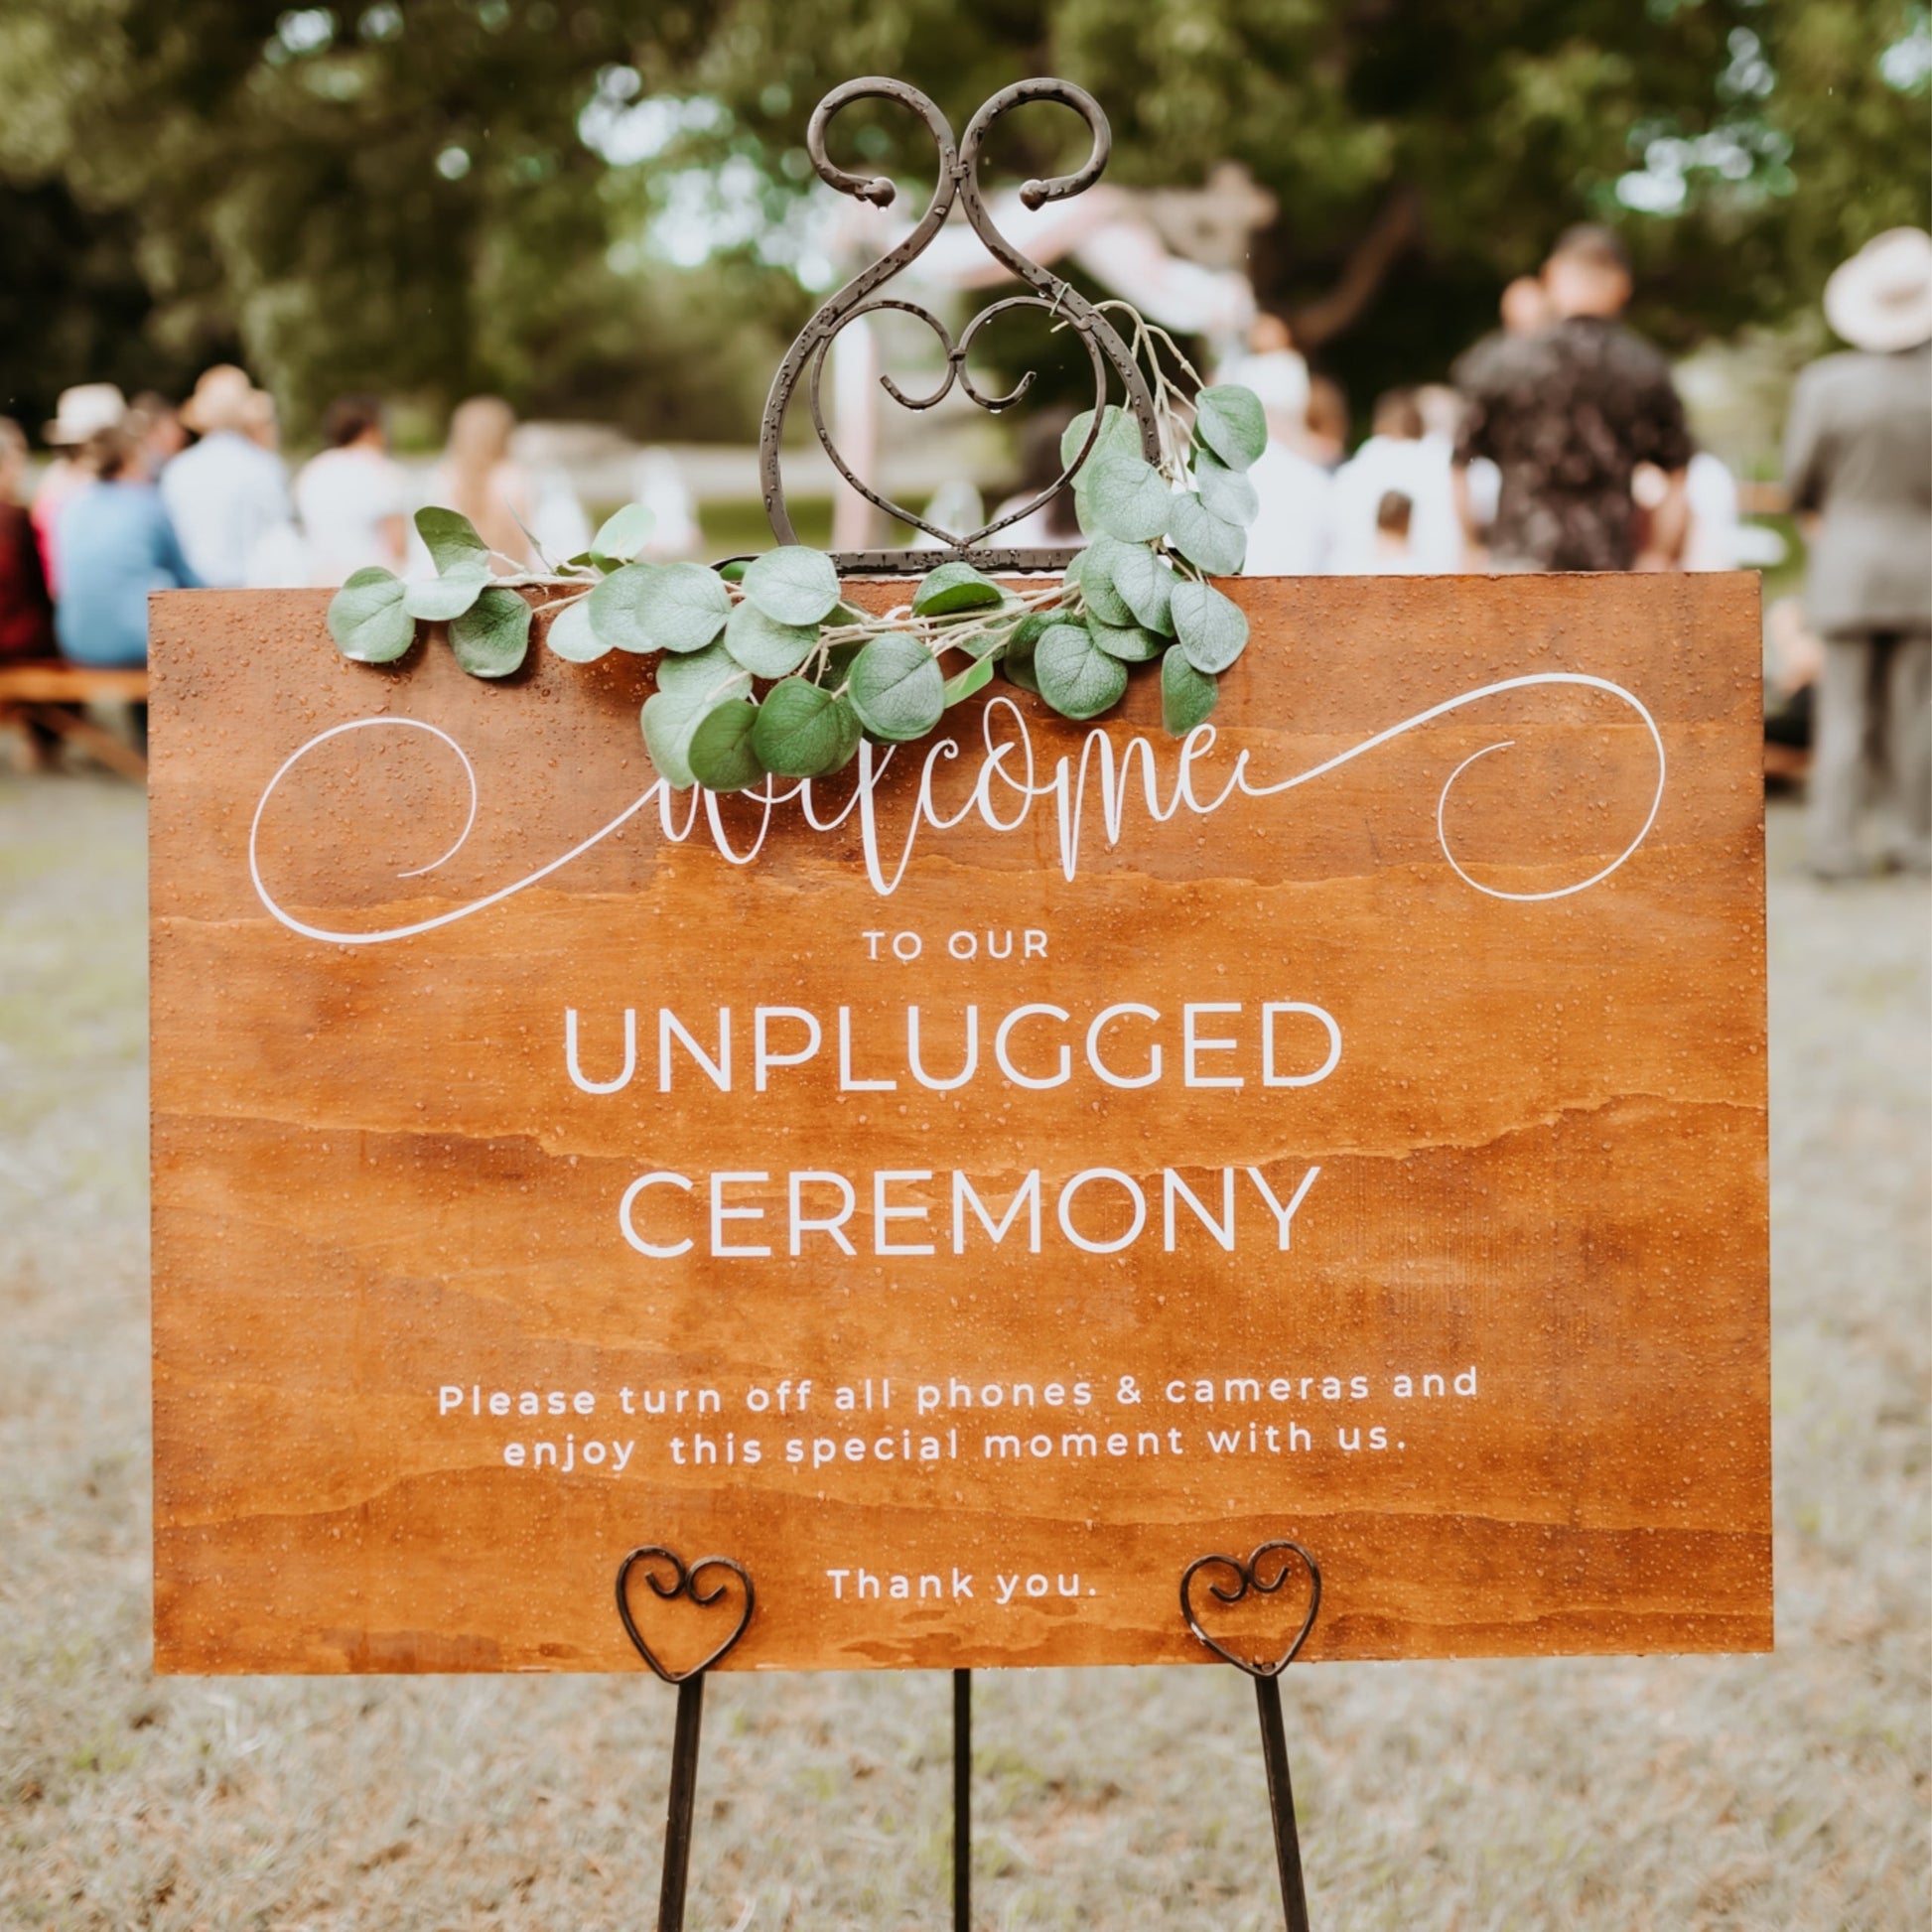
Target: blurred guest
x,y
157,426
1395,549
1273,364
1324,432
80,413
1793,659
479,478
26,609
1526,307
658,484
1711,526
1567,414
1858,457
261,425
117,545
353,497
1289,534
226,493
1398,459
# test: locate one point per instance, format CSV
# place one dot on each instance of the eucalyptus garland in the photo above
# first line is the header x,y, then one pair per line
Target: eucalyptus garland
x,y
764,669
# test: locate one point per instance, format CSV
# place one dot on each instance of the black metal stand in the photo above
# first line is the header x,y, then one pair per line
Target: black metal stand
x,y
1252,1575
1255,1574
684,1795
690,1697
962,1801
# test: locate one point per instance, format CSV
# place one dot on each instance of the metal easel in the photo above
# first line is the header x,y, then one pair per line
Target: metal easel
x,y
957,184
1255,1573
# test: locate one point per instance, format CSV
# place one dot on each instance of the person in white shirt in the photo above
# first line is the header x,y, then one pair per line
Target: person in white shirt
x,y
1397,459
227,493
353,498
1289,534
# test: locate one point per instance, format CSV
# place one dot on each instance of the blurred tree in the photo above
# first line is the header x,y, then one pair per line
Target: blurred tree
x,y
398,201
588,204
1426,151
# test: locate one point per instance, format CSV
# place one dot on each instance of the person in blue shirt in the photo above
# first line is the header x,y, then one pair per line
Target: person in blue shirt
x,y
115,545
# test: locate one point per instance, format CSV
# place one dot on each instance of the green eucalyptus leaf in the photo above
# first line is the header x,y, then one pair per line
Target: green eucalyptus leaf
x,y
793,585
705,679
367,618
1143,585
896,688
721,754
804,732
492,637
571,637
451,539
1129,642
615,609
1017,659
435,600
624,533
660,606
975,677
1118,432
734,572
1212,629
1076,677
1128,497
1093,569
668,722
954,586
764,647
1228,420
1187,695
1225,493
1204,538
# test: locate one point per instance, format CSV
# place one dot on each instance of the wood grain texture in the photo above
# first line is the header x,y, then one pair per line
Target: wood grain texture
x,y
1541,1154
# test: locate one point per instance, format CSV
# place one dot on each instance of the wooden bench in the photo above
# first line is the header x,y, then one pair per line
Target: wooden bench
x,y
37,690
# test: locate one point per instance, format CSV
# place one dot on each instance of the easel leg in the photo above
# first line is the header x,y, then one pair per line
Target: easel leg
x,y
1280,1803
962,1801
685,1793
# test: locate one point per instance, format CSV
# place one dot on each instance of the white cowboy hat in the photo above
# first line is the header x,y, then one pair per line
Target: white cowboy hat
x,y
1881,299
224,398
82,411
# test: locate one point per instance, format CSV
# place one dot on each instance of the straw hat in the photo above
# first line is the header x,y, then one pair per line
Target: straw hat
x,y
1881,299
224,398
81,412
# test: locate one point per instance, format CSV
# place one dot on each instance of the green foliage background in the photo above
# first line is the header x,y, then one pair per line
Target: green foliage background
x,y
398,195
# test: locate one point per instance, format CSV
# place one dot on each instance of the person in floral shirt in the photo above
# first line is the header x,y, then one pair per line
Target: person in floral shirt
x,y
1566,413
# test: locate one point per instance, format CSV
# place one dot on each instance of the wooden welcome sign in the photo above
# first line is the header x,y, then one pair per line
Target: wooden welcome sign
x,y
969,1191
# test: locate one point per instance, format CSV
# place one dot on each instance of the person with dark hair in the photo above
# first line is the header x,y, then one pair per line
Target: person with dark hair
x,y
1395,552
1399,459
353,499
115,545
1325,422
1566,413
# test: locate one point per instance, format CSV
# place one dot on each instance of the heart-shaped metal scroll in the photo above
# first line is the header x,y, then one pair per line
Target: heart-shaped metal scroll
x,y
1253,1576
956,184
684,1582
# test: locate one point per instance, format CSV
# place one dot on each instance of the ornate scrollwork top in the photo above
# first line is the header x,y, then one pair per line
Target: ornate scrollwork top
x,y
957,182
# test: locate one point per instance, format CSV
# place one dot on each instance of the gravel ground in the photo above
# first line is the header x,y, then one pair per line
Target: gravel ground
x,y
1777,1792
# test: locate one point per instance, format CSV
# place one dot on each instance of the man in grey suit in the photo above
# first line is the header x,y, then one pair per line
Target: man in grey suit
x,y
1858,457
